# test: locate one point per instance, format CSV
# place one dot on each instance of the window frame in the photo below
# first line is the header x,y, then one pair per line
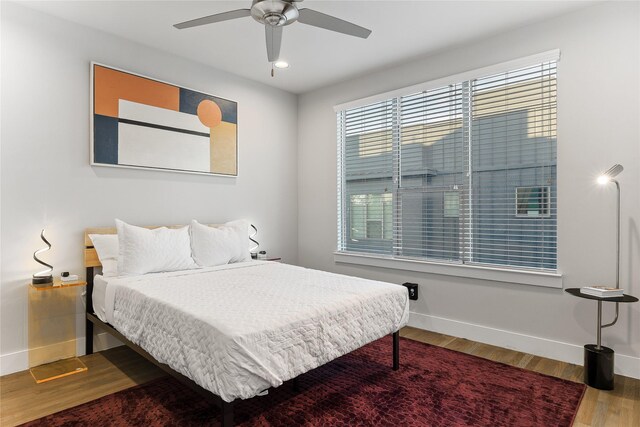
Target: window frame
x,y
506,273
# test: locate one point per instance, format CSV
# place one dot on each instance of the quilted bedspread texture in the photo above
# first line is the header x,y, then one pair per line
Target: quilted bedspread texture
x,y
243,328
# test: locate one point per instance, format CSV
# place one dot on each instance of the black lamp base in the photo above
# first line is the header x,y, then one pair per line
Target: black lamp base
x,y
598,367
42,280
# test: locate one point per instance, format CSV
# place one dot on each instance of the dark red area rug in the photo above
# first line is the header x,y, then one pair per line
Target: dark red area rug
x,y
434,387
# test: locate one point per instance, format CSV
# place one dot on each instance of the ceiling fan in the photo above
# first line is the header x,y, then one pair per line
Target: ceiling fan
x,y
275,14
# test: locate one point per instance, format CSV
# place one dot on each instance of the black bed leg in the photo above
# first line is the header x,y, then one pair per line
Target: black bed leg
x,y
396,351
89,337
227,414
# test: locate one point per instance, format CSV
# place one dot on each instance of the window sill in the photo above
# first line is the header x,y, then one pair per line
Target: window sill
x,y
533,278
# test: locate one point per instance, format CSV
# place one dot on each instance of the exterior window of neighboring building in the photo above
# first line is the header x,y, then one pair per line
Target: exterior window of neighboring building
x,y
371,216
451,204
532,202
430,174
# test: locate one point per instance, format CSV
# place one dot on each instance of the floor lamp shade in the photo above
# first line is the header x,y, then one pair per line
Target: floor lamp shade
x,y
610,173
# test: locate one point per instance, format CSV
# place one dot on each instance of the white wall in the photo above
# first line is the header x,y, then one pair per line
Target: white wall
x,y
598,113
46,179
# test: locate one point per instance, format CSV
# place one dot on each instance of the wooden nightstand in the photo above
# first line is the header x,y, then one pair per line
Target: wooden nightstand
x,y
52,330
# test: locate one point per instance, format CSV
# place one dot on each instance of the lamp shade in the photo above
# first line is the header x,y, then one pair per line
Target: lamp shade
x,y
610,173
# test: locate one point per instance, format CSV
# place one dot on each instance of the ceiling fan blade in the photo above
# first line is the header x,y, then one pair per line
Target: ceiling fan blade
x,y
274,40
218,17
328,22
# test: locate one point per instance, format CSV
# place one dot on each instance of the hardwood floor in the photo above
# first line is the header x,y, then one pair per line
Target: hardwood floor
x,y
21,399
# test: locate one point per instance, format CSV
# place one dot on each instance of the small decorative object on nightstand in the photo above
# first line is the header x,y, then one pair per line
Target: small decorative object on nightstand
x,y
262,256
66,277
52,330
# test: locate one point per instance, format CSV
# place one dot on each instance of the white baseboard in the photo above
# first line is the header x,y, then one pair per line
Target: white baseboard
x,y
628,366
14,362
19,361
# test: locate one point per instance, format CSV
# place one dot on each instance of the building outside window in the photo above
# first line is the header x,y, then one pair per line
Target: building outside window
x,y
371,216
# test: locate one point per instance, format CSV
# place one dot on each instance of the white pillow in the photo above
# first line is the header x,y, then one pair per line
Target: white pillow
x,y
106,246
211,246
148,251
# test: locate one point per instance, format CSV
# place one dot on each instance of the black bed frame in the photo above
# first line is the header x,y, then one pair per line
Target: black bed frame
x,y
225,407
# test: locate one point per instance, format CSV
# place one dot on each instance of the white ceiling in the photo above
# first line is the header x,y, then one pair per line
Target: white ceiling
x,y
401,30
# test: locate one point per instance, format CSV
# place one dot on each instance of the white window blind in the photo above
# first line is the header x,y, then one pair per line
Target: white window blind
x,y
366,136
462,173
432,167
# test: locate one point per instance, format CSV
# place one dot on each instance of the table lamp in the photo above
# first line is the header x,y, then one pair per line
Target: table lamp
x,y
254,249
43,277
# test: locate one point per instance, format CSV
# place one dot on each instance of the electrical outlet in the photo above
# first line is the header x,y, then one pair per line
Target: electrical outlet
x,y
413,290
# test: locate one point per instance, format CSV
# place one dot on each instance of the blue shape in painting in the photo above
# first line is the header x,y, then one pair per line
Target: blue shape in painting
x,y
189,101
105,139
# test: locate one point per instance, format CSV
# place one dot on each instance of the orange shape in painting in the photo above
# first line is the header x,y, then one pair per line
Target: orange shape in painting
x,y
112,85
209,113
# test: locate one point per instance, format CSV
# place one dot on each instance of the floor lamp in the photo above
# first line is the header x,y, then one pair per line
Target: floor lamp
x,y
598,360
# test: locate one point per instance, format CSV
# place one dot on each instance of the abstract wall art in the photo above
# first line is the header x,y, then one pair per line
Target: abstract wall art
x,y
139,122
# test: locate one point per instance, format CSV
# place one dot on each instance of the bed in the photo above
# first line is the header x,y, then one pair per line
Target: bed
x,y
233,331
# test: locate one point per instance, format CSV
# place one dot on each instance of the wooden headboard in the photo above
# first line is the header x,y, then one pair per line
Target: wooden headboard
x,y
90,254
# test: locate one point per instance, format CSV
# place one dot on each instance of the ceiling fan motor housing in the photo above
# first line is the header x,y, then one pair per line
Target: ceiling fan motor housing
x,y
276,13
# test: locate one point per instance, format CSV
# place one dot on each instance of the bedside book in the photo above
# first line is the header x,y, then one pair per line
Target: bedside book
x,y
602,291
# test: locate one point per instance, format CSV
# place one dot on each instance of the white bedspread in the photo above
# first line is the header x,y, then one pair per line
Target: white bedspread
x,y
100,284
239,329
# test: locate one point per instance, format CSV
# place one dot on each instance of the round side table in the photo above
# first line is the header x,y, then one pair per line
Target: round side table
x,y
598,360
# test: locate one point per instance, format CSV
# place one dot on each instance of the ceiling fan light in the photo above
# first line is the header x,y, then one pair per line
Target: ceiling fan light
x,y
281,64
275,19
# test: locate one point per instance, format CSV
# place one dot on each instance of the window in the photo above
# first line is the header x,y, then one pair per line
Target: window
x,y
451,204
431,174
371,216
532,202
